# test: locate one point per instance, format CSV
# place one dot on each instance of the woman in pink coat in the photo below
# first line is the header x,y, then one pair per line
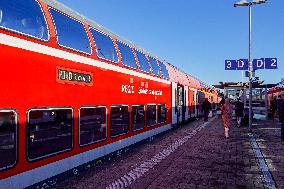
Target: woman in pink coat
x,y
227,116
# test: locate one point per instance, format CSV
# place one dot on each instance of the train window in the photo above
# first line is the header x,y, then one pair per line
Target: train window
x,y
119,120
137,117
162,113
164,70
49,131
71,33
104,45
92,124
143,62
8,136
24,17
155,66
127,55
151,115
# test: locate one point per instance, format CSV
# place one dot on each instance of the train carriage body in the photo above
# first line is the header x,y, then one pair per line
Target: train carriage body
x,y
72,92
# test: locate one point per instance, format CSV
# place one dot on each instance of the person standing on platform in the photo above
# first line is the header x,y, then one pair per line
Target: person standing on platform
x,y
280,109
227,116
239,111
206,107
221,105
273,107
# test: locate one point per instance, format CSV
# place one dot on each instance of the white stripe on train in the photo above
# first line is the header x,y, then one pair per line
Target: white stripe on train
x,y
42,173
42,49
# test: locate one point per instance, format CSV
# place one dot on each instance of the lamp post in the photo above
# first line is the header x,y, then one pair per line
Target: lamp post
x,y
250,66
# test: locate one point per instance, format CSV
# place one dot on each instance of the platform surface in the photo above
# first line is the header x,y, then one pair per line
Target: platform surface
x,y
196,155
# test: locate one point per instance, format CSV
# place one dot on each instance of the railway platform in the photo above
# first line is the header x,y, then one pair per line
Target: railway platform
x,y
196,155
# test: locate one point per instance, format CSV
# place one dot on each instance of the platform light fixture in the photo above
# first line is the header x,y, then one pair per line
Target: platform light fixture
x,y
250,66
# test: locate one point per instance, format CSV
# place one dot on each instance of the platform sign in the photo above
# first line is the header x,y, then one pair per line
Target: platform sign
x,y
242,64
258,64
271,63
230,64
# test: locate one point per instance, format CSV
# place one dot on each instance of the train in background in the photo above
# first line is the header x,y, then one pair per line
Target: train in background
x,y
274,93
73,91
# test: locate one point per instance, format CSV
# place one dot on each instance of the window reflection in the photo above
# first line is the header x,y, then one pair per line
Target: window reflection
x,y
137,117
70,33
151,115
127,55
23,16
164,70
143,62
92,125
119,120
7,139
155,67
162,112
50,131
104,45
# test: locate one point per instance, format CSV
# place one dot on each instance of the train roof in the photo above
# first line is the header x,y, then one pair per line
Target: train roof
x,y
90,22
175,74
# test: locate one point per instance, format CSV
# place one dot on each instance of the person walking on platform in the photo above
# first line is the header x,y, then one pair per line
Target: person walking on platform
x,y
280,109
227,116
206,107
239,111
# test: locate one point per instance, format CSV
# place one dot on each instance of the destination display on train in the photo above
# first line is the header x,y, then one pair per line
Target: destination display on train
x,y
70,76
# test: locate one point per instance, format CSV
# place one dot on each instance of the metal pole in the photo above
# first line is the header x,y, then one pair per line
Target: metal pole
x,y
266,103
250,73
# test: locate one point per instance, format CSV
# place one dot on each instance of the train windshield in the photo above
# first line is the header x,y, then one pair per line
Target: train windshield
x,y
71,34
127,55
164,70
144,65
25,17
155,67
104,45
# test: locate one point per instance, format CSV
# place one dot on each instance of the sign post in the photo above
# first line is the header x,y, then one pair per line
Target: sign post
x,y
250,66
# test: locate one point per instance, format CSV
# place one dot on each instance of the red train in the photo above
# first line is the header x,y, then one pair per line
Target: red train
x,y
72,92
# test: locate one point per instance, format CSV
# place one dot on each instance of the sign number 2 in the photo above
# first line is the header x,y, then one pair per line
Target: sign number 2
x,y
274,61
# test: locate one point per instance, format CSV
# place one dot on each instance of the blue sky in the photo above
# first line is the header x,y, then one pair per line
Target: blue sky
x,y
195,35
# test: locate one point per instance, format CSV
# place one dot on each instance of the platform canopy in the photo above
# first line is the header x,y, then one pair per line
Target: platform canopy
x,y
255,84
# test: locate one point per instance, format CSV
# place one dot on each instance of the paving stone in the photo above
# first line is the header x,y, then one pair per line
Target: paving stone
x,y
206,160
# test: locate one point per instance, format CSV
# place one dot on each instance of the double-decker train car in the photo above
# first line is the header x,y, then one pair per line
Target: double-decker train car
x,y
73,91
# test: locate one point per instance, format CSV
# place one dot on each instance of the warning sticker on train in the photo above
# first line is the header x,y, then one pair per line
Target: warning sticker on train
x,y
71,76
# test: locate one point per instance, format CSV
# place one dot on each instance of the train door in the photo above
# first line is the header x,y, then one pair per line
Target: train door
x,y
192,103
197,104
186,105
180,104
179,95
200,100
174,103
